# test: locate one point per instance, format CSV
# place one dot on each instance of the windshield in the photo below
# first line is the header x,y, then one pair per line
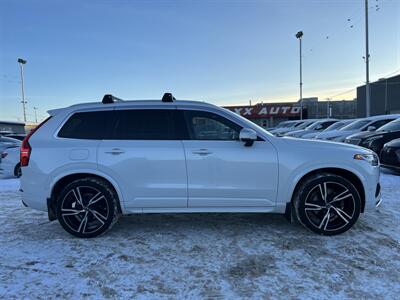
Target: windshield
x,y
315,125
304,124
338,125
392,126
356,125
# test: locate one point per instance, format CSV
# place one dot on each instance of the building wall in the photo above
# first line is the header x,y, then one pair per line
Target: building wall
x,y
12,127
385,97
270,114
342,109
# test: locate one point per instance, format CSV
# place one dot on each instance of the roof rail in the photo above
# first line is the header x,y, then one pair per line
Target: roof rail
x,y
167,97
108,98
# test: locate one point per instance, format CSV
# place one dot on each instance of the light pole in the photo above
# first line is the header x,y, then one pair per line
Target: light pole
x,y
367,90
21,68
299,36
35,109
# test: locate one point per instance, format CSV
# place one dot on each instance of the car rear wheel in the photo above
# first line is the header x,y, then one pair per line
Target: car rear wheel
x,y
87,207
327,204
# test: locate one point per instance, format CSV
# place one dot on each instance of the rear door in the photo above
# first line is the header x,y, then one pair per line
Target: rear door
x,y
145,156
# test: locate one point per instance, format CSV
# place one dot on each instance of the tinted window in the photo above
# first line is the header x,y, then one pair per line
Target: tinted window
x,y
145,124
209,126
327,124
356,125
338,125
380,123
86,125
392,126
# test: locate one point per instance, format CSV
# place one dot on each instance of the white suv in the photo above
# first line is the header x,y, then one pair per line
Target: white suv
x,y
89,163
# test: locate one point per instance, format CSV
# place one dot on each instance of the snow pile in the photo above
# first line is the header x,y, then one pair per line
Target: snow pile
x,y
200,256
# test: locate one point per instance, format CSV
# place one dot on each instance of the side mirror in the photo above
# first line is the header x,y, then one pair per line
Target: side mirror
x,y
371,128
248,136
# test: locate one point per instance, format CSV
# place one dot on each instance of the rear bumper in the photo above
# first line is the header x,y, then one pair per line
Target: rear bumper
x,y
35,201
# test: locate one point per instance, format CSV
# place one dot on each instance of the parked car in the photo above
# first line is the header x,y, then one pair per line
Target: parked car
x,y
390,155
302,124
285,126
9,163
367,124
17,136
7,142
89,163
335,126
376,139
315,127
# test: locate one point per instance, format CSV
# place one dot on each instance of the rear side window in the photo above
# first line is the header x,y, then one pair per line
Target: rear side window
x,y
145,124
86,125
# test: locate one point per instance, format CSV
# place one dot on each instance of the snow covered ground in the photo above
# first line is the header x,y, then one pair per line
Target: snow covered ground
x,y
226,256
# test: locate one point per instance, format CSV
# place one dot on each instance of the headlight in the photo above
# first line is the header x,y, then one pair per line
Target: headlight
x,y
370,158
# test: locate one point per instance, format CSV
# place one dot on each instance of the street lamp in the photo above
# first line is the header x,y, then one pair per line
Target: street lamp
x,y
35,109
21,68
367,86
299,35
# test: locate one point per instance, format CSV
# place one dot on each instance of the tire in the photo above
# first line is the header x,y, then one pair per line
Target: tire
x,y
18,171
327,204
87,207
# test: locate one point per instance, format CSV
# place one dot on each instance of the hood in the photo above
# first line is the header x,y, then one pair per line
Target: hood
x,y
319,145
395,143
311,135
365,134
335,133
296,132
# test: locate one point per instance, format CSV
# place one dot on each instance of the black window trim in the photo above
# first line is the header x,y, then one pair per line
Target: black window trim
x,y
70,114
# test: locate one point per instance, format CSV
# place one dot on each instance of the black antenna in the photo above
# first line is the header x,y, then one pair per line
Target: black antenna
x,y
168,98
108,98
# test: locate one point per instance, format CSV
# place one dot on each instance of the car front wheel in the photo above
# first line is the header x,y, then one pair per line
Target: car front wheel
x,y
327,204
87,207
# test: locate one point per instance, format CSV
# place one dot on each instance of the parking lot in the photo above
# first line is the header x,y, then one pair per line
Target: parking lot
x,y
199,256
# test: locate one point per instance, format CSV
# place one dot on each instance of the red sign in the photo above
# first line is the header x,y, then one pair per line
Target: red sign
x,y
266,110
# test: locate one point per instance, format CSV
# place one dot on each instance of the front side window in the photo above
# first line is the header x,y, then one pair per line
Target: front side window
x,y
209,126
144,124
86,125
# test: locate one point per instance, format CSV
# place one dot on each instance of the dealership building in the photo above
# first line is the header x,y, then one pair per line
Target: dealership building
x,y
270,114
385,97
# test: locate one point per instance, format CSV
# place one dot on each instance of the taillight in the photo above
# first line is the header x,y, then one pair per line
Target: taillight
x,y
26,148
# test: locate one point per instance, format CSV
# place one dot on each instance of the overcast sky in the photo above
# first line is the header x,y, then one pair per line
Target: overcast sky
x,y
224,52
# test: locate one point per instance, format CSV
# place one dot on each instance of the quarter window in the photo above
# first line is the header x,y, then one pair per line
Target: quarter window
x,y
209,126
86,125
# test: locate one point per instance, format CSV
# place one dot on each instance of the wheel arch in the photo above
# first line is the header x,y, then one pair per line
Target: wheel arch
x,y
349,175
62,181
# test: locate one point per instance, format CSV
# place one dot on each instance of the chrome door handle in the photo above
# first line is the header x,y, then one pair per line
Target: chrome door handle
x,y
115,151
202,152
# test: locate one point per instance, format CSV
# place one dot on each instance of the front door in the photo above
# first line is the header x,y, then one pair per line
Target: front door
x,y
145,156
221,170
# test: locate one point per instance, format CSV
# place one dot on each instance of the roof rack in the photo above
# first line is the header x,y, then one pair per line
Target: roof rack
x,y
108,98
167,97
